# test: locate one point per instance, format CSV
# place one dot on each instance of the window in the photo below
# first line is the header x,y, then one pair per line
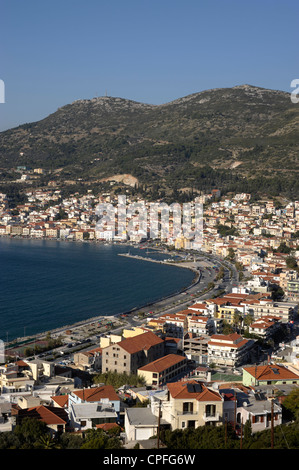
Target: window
x,y
188,407
191,424
210,410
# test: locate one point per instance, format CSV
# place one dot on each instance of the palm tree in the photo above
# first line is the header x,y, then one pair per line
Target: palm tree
x,y
47,442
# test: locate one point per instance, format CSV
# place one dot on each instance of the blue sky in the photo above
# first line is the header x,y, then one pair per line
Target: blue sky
x,y
53,53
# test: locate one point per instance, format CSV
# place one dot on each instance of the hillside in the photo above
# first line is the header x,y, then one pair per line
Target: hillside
x,y
241,137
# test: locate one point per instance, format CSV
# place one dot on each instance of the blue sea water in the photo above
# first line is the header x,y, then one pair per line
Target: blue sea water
x,y
46,284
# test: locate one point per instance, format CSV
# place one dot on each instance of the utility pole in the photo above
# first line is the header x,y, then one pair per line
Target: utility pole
x,y
272,424
235,411
225,432
241,441
159,422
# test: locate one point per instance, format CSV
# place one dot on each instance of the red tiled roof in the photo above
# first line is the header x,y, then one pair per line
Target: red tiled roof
x,y
97,393
61,400
47,414
179,390
159,365
271,372
107,426
141,342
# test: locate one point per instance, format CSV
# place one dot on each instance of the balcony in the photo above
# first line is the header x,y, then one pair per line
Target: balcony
x,y
211,416
187,413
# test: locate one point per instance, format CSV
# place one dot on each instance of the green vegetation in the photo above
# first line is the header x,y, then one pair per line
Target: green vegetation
x,y
283,248
117,380
241,139
224,437
37,348
34,434
225,230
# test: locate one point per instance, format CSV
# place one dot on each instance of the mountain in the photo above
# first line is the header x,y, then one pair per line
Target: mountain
x,y
241,138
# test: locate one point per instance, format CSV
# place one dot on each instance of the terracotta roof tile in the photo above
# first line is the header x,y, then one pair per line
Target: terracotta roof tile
x,y
271,372
94,394
47,414
183,390
141,342
159,365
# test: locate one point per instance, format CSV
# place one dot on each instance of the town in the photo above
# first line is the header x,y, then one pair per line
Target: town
x,y
225,355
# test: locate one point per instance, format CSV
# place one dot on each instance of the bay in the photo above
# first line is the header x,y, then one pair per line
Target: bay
x,y
47,284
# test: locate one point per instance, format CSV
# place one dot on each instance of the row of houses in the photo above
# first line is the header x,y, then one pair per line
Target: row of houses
x,y
179,405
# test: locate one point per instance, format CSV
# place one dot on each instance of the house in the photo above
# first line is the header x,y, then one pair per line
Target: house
x,y
243,404
140,424
270,374
259,410
87,415
189,404
132,353
14,383
101,394
265,326
56,419
7,421
163,370
89,359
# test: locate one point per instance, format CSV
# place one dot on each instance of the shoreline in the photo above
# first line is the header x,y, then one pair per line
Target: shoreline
x,y
54,331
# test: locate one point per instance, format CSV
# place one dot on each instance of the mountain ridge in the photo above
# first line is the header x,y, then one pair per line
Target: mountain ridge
x,y
242,131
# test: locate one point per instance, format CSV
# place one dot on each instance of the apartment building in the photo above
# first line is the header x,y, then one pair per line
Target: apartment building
x,y
285,310
163,370
196,348
200,325
175,324
265,327
130,354
229,350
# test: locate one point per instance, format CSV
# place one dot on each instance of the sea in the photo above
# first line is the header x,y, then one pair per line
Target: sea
x,y
48,284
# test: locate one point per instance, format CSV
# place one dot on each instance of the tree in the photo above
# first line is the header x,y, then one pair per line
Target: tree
x,y
238,319
47,442
247,431
283,248
70,441
291,403
231,254
29,431
291,262
98,439
248,319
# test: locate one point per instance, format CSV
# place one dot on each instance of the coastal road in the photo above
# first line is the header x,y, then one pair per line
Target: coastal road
x,y
207,267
